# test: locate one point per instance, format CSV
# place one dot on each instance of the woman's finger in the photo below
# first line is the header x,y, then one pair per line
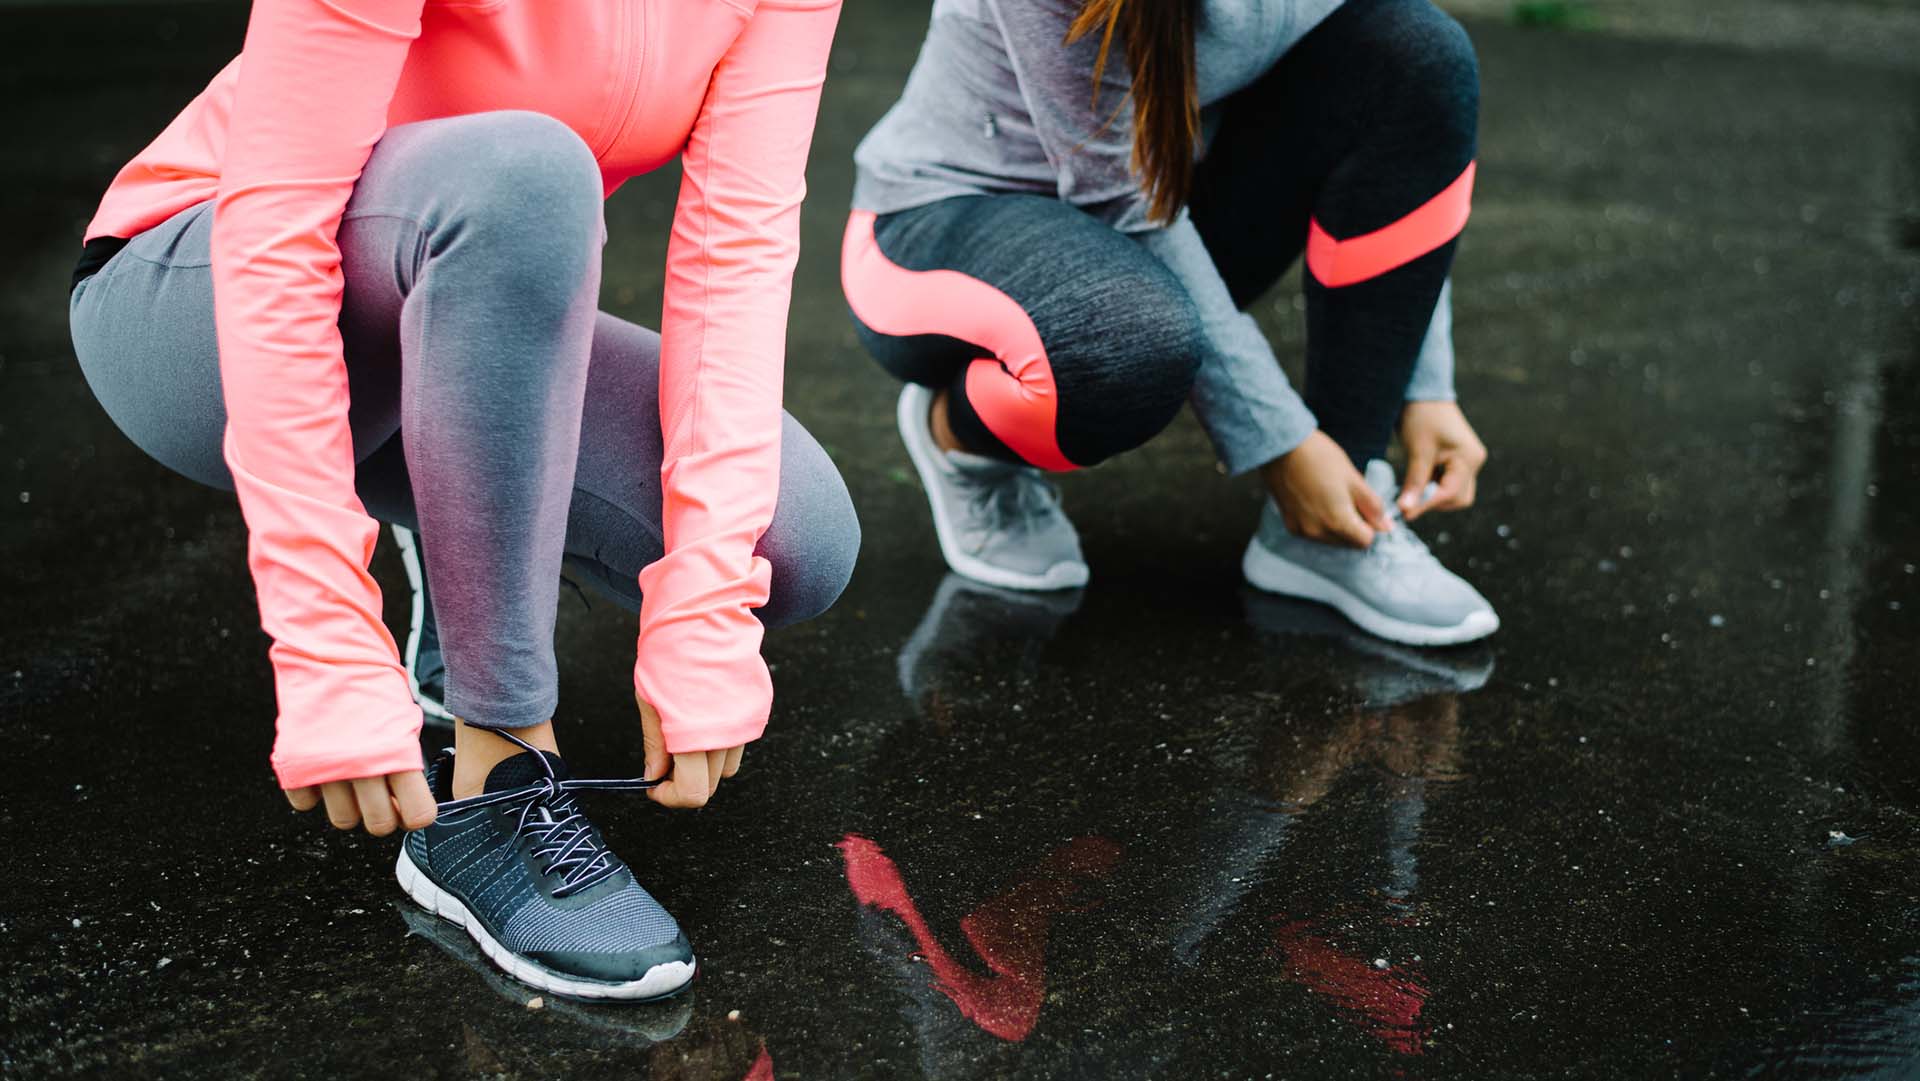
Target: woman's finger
x,y
652,744
303,799
733,760
376,805
342,809
414,799
716,765
1348,528
1456,482
1468,493
686,786
1415,502
1367,504
1350,520
1419,472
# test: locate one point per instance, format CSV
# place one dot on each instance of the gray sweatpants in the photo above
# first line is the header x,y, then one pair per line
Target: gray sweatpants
x,y
517,426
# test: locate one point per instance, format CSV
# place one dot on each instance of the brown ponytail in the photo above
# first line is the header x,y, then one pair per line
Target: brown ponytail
x,y
1166,103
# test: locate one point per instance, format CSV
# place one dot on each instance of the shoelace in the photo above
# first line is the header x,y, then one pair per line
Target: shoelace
x,y
1399,543
565,842
1009,495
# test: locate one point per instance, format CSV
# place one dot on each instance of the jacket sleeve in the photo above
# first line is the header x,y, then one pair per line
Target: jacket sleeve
x,y
1241,395
316,79
736,237
1433,371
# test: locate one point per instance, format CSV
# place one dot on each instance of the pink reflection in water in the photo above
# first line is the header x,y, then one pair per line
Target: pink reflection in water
x,y
1008,931
762,1068
1387,1001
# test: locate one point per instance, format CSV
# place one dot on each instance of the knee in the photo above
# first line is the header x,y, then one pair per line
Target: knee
x,y
1127,381
1435,73
521,181
814,540
1166,333
529,161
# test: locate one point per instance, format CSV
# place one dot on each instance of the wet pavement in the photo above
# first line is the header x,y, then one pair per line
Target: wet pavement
x,y
1665,824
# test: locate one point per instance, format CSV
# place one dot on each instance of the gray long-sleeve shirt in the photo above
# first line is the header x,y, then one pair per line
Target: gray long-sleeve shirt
x,y
996,104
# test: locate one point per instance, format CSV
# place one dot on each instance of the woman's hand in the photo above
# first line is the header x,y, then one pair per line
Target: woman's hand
x,y
1441,447
380,803
1322,497
694,777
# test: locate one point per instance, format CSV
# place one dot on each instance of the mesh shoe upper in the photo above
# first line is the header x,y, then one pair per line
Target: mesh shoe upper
x,y
1397,575
536,872
1008,515
1003,515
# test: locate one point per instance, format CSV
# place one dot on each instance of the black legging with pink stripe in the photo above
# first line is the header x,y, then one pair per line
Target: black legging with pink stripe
x,y
1357,148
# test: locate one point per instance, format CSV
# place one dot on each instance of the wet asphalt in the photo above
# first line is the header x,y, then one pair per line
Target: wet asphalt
x,y
1665,824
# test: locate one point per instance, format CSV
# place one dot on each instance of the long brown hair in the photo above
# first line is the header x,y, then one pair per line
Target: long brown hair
x,y
1166,102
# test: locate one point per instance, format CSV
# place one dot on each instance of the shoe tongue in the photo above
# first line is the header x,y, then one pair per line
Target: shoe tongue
x,y
1381,479
524,769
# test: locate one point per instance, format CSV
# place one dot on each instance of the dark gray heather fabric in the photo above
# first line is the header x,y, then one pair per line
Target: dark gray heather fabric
x,y
996,104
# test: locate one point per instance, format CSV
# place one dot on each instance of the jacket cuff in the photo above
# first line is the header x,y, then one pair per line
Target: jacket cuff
x,y
396,752
1433,373
698,662
1246,442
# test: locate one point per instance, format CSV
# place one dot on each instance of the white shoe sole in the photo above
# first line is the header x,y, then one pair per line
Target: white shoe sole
x,y
410,559
907,414
1265,570
660,979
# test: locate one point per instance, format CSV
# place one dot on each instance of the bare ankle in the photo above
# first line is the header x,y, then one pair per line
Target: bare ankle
x,y
477,750
939,423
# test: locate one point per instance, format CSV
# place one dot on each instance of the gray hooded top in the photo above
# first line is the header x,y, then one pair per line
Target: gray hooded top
x,y
996,104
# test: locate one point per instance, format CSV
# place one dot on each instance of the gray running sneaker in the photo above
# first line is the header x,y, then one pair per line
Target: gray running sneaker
x,y
1395,589
998,522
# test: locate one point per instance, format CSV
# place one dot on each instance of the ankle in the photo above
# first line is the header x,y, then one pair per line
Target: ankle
x,y
940,424
477,750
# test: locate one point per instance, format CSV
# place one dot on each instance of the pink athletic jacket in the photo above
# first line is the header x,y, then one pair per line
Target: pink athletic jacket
x,y
278,140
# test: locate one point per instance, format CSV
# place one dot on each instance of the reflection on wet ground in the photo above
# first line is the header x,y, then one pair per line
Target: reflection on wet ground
x,y
1664,824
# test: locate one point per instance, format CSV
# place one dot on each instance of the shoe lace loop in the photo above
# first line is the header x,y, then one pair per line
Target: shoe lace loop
x,y
1400,543
1010,496
565,842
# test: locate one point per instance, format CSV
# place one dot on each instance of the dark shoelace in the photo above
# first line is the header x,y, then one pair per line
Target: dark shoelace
x,y
565,842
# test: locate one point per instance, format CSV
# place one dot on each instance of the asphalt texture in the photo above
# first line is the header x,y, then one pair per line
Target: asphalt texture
x,y
1665,824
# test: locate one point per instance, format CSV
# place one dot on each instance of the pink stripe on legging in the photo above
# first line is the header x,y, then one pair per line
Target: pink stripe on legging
x,y
1335,263
1012,388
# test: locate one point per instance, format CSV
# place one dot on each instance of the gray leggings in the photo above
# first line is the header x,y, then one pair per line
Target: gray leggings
x,y
523,428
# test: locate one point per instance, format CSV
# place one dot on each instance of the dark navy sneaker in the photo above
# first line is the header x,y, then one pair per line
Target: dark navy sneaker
x,y
527,875
426,672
